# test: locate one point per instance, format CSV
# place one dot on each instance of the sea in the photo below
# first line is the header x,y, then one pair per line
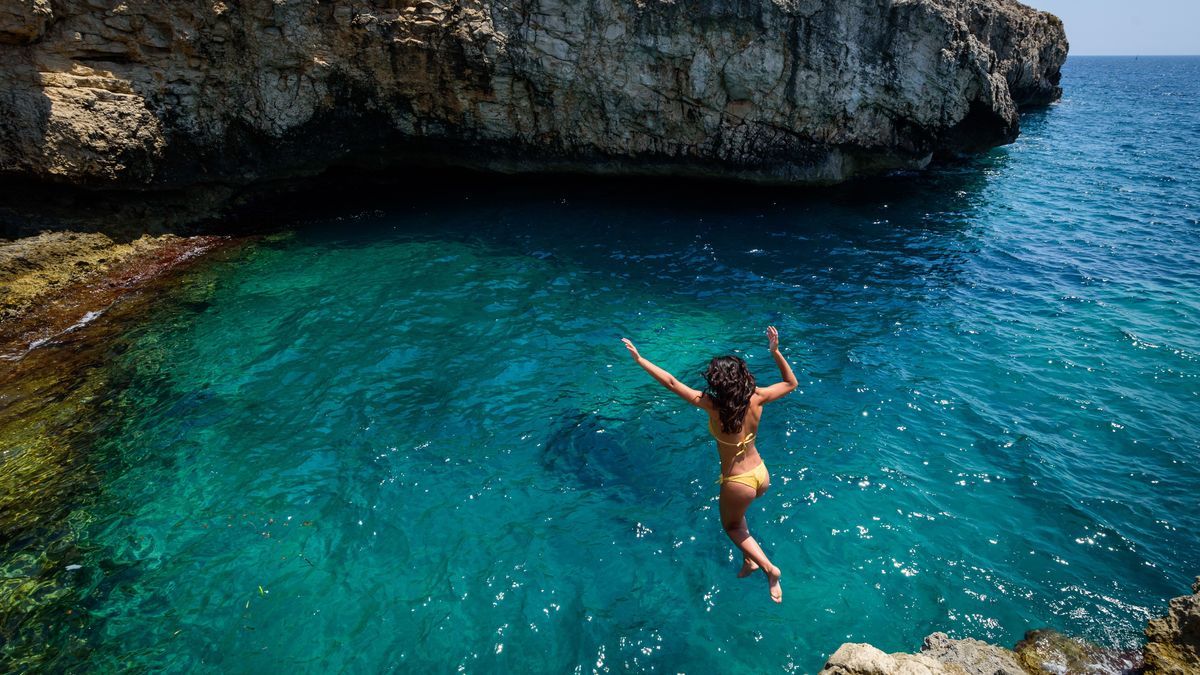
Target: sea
x,y
401,434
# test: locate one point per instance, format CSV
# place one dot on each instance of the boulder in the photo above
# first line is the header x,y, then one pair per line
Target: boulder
x,y
863,659
939,655
972,656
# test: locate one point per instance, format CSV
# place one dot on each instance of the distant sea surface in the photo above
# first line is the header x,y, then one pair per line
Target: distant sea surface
x,y
407,439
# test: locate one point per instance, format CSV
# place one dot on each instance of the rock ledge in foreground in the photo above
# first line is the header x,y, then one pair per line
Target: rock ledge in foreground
x,y
1172,648
1173,641
938,656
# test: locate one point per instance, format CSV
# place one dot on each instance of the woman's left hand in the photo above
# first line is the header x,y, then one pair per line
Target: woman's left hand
x,y
632,350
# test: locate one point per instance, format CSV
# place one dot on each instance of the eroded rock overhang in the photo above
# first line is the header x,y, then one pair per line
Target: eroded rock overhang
x,y
148,94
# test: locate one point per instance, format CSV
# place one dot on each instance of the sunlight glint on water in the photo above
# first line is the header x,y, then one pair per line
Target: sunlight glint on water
x,y
412,438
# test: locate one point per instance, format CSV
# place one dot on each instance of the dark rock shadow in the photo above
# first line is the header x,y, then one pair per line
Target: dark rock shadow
x,y
584,453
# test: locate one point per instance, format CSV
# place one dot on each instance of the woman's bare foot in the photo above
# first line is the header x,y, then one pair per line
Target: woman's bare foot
x,y
748,568
773,580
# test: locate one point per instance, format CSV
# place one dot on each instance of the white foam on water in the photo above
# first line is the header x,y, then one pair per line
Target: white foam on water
x,y
83,321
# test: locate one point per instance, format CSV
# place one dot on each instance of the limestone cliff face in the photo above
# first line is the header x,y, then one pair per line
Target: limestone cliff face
x,y
146,93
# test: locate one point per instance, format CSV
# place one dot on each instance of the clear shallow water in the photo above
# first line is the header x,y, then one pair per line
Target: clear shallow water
x,y
410,437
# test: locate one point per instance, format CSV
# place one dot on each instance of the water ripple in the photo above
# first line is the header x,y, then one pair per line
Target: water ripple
x,y
416,442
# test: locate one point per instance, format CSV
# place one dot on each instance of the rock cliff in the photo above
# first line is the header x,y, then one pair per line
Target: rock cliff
x,y
151,94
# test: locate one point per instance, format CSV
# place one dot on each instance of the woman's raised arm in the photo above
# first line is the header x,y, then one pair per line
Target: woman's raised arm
x,y
664,378
789,383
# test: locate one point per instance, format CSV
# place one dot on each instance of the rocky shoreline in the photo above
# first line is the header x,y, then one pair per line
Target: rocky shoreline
x,y
175,113
180,108
1172,648
56,282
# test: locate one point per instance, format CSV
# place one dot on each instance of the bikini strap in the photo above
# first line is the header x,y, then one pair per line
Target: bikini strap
x,y
741,443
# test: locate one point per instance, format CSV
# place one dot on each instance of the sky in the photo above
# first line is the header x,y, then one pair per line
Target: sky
x,y
1143,27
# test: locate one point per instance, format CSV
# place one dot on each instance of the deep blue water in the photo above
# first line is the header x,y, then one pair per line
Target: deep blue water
x,y
410,438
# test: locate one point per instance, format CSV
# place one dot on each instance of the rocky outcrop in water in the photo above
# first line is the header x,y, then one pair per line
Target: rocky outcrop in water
x,y
51,283
151,94
938,656
1173,641
1172,648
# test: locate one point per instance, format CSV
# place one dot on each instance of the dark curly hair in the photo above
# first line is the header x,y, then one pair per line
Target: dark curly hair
x,y
730,386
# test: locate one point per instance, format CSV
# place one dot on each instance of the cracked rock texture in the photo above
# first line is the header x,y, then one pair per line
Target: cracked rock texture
x,y
855,658
1172,648
153,94
1173,641
940,655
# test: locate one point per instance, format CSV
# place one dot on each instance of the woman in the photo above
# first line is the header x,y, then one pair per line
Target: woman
x,y
734,406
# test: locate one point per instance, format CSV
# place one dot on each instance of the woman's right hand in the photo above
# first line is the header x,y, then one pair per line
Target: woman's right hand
x,y
773,339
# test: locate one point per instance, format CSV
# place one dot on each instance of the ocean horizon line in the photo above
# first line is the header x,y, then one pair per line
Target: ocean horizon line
x,y
1134,56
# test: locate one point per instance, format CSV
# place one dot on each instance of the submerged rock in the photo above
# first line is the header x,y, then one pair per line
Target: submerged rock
x,y
56,282
1173,641
146,93
1048,651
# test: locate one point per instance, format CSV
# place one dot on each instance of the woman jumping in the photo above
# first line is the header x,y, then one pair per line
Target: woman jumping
x,y
734,406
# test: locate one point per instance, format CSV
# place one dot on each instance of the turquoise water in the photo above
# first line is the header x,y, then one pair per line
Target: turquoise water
x,y
409,437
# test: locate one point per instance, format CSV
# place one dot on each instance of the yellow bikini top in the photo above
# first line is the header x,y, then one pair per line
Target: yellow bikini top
x,y
741,445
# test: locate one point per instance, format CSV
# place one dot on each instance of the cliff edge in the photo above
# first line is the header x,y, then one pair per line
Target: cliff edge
x,y
148,94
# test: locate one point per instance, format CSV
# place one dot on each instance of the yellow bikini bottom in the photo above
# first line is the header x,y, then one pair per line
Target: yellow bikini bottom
x,y
753,478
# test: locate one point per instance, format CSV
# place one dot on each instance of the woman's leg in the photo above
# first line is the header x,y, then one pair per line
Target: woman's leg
x,y
749,566
735,499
